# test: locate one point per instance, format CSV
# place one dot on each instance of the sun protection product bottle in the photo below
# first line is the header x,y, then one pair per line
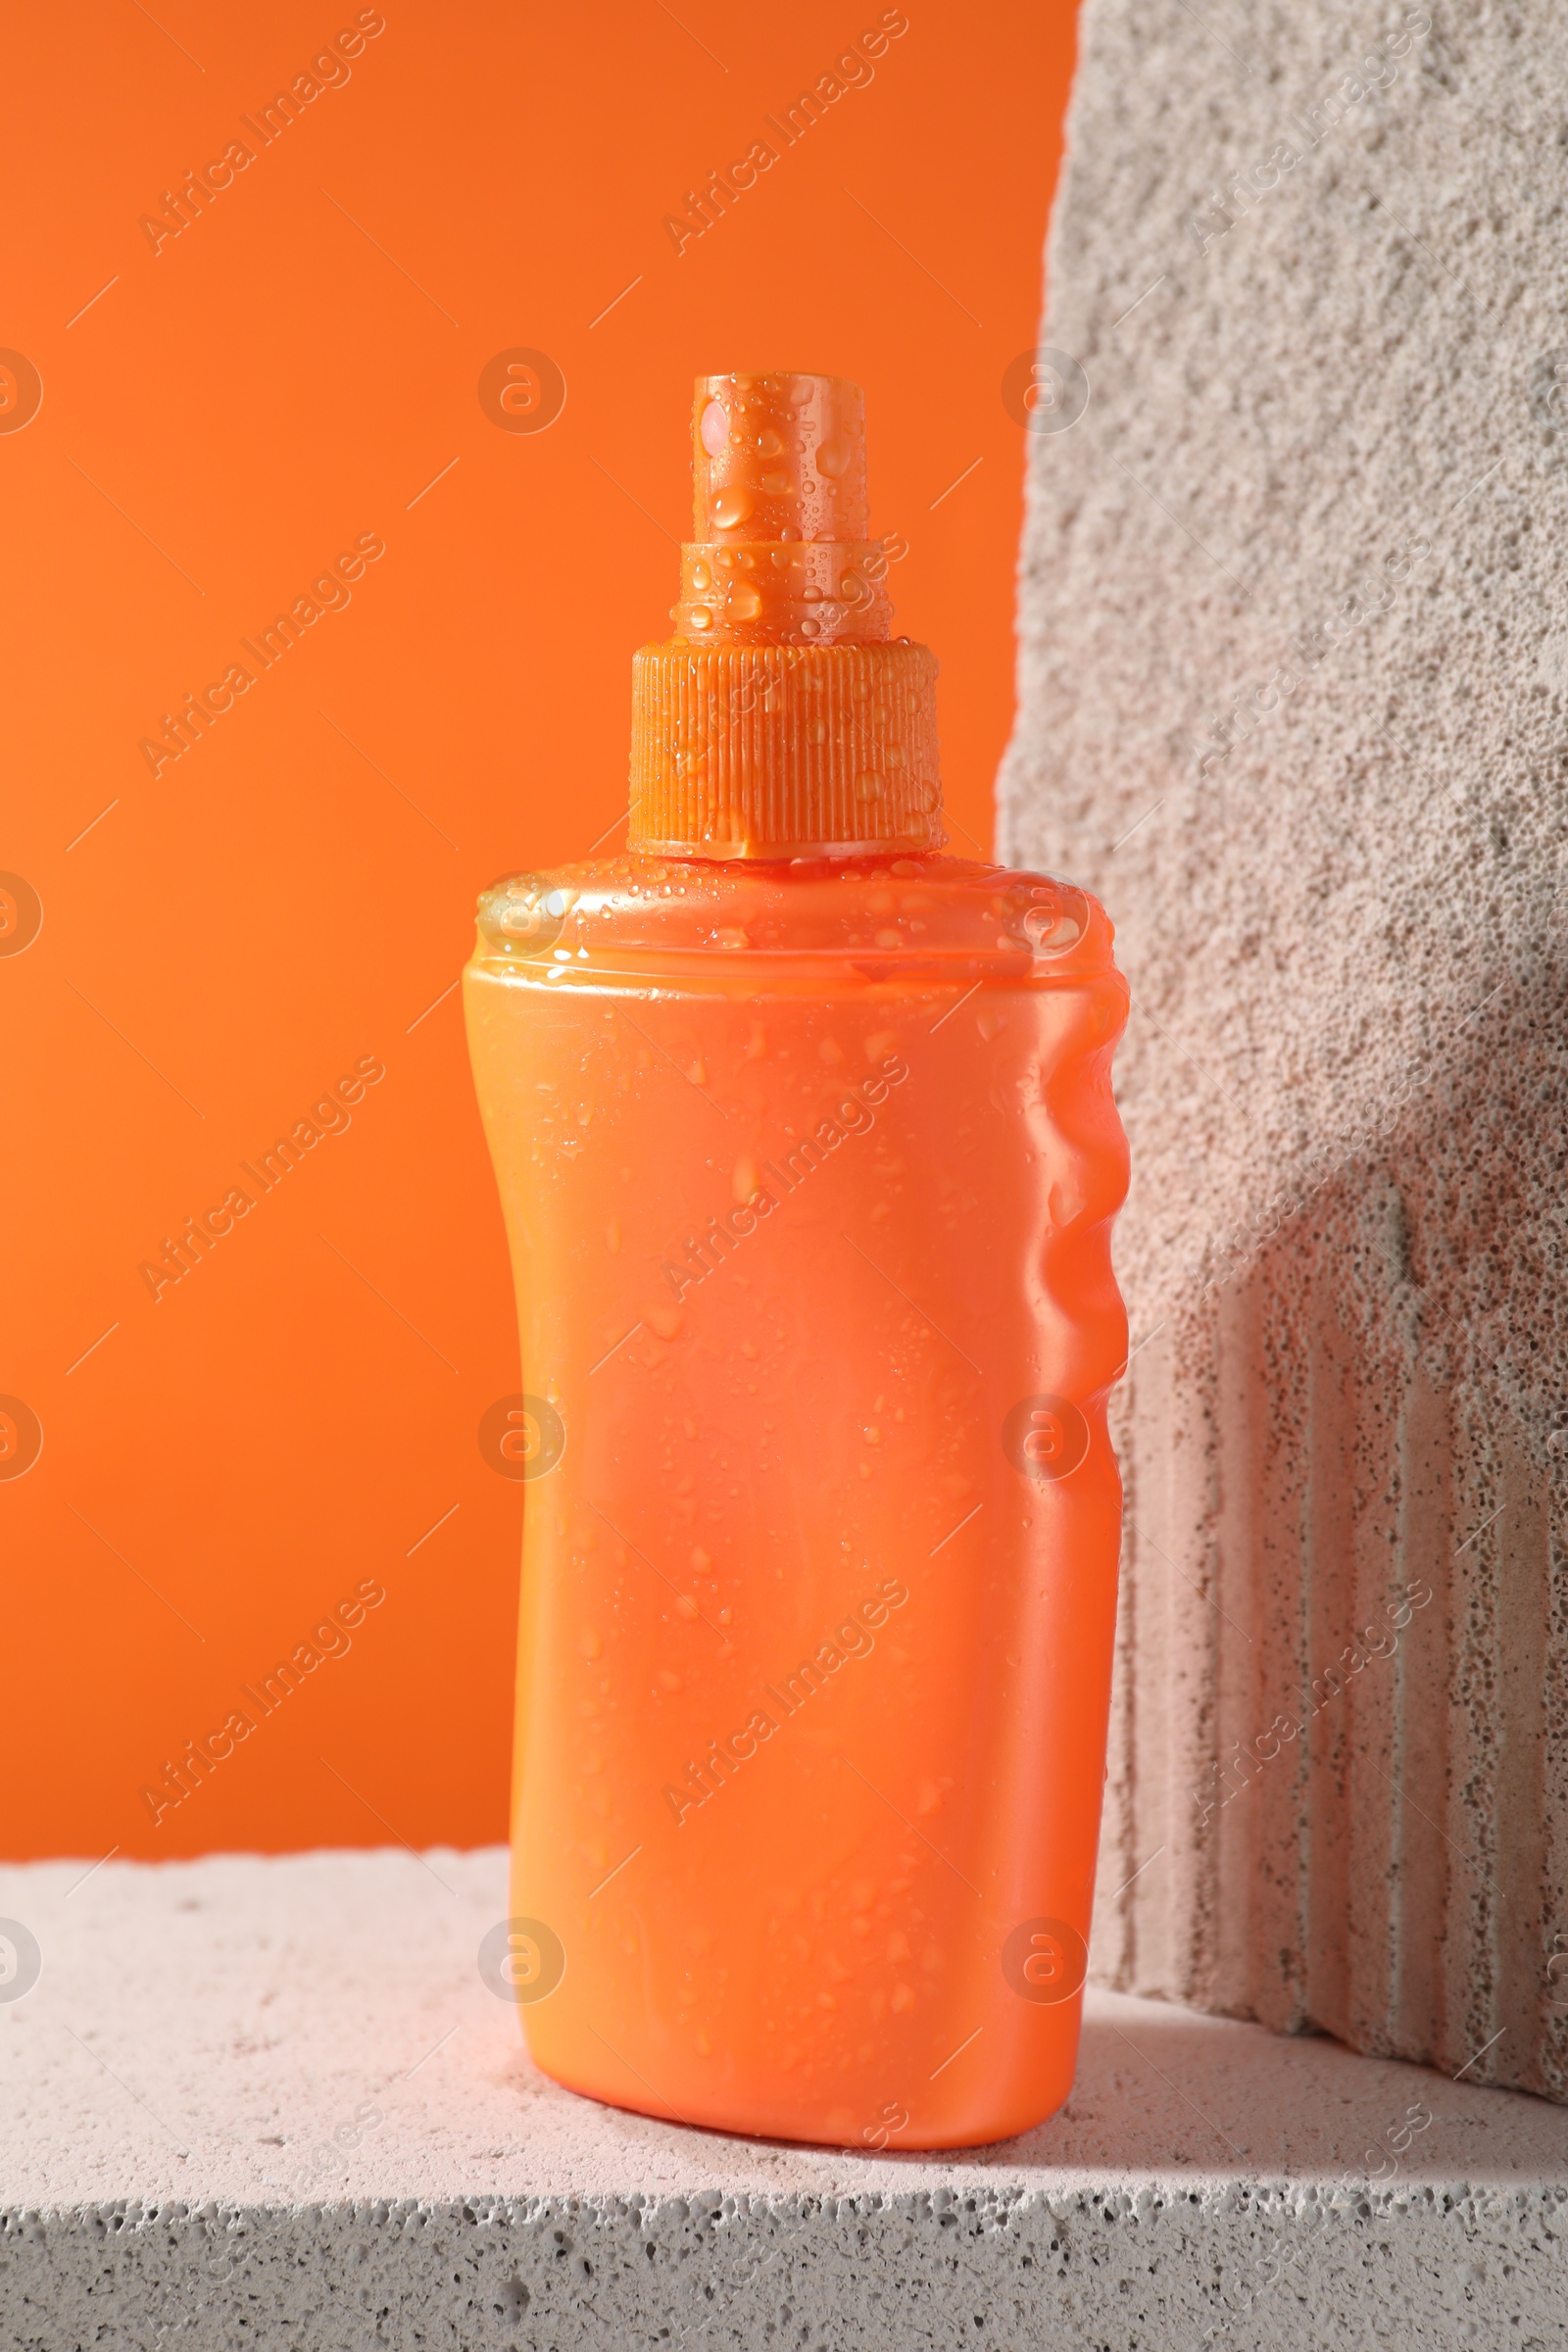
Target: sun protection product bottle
x,y
806,1147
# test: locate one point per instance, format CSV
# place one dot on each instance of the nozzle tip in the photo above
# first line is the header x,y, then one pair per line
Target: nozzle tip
x,y
779,456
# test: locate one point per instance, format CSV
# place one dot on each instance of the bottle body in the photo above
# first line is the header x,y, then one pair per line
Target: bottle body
x,y
809,1172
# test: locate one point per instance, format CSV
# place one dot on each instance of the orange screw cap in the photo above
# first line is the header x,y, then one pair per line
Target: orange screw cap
x,y
780,720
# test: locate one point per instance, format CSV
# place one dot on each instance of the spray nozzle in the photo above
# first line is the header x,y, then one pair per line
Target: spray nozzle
x,y
780,554
780,720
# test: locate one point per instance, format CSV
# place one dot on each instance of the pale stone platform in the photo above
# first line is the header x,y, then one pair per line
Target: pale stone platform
x,y
178,2086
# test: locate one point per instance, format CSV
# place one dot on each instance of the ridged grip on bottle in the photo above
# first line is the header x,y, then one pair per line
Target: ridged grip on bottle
x,y
783,750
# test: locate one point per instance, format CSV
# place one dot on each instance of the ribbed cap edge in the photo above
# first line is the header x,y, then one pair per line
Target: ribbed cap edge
x,y
767,750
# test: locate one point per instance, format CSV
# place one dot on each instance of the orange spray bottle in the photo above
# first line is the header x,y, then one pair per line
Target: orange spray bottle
x,y
808,1159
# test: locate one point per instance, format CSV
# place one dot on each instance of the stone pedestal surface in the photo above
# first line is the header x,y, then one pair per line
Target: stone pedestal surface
x,y
270,2102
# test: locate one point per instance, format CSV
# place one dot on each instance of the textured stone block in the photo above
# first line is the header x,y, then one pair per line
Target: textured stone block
x,y
263,2102
1294,668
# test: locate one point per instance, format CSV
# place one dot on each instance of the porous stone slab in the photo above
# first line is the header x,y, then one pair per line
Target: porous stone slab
x,y
257,2102
1294,702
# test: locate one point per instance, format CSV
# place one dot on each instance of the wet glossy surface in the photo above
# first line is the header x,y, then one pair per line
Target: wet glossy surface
x,y
779,717
809,1173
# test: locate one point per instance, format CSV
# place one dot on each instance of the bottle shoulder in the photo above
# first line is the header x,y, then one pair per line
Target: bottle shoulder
x,y
906,910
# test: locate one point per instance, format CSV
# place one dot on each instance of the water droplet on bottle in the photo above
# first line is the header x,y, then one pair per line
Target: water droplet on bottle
x,y
832,458
701,577
810,628
732,507
1051,932
777,485
745,602
714,428
768,444
869,786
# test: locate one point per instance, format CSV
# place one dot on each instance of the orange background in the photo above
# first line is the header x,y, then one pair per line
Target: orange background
x,y
221,944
